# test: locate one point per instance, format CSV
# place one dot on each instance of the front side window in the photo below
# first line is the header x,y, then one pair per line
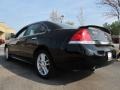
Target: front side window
x,y
21,34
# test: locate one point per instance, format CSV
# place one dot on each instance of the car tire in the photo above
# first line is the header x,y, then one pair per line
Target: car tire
x,y
92,69
44,64
7,57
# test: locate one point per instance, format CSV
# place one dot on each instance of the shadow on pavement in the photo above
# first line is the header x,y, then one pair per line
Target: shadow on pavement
x,y
27,71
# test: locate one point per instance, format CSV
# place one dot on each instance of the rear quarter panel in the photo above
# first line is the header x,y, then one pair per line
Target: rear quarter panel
x,y
56,41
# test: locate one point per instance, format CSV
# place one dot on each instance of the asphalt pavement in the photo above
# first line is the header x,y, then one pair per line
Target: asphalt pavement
x,y
16,75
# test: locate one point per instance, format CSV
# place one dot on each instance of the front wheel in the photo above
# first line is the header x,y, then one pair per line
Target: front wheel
x,y
7,57
44,64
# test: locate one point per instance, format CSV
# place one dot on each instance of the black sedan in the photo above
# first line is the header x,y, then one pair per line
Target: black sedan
x,y
51,45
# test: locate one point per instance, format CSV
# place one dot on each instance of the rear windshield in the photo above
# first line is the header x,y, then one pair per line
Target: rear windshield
x,y
99,35
54,26
66,26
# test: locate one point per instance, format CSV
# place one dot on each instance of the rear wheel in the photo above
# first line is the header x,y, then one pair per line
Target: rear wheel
x,y
44,64
92,69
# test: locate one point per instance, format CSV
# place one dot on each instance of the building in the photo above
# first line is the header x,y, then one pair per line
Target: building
x,y
116,38
5,31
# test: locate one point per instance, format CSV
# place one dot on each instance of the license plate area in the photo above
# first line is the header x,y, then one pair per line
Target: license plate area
x,y
109,55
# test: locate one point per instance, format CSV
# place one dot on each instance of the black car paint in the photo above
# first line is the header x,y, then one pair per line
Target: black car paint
x,y
65,55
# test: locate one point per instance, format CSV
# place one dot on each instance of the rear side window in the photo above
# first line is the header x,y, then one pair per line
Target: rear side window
x,y
35,29
99,35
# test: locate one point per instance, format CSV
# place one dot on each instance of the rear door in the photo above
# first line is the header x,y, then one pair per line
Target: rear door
x,y
32,36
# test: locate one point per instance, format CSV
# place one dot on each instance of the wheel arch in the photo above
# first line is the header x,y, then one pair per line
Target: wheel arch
x,y
41,47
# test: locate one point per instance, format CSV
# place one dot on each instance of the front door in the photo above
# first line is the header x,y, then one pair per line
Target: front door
x,y
16,44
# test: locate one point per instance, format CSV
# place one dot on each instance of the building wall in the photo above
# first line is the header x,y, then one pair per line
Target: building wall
x,y
5,30
2,35
116,39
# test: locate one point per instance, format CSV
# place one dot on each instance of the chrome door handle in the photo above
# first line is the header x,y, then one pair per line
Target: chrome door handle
x,y
34,38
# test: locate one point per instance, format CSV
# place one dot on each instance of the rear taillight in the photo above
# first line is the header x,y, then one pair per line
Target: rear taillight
x,y
82,36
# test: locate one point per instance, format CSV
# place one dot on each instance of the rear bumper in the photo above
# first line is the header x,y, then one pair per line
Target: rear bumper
x,y
77,58
86,62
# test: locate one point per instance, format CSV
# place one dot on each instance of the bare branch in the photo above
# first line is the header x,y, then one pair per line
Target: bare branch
x,y
114,6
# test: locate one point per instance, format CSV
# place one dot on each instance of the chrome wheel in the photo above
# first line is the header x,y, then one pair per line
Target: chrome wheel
x,y
43,64
6,53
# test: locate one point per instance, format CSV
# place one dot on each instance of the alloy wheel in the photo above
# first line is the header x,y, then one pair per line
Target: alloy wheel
x,y
43,64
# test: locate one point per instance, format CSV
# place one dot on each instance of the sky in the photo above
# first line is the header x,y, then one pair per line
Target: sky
x,y
18,13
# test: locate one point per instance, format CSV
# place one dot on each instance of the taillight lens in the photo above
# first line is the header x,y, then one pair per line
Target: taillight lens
x,y
81,35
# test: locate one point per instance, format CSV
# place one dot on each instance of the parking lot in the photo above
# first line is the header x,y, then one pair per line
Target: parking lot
x,y
16,75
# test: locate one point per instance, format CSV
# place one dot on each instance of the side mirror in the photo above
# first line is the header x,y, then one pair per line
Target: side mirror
x,y
13,35
9,36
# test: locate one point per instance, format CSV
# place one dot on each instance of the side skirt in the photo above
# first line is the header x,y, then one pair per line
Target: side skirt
x,y
19,59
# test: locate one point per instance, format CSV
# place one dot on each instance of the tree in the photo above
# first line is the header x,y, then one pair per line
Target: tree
x,y
114,27
114,8
55,16
106,25
80,17
115,30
